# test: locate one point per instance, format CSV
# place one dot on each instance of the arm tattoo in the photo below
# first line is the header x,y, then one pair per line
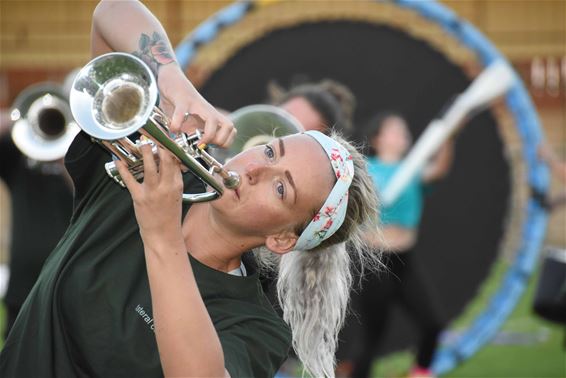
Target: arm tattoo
x,y
154,51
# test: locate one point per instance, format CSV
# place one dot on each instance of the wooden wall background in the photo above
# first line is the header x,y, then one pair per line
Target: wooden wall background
x,y
43,40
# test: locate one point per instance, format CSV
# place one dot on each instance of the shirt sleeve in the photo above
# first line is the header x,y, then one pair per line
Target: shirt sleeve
x,y
254,350
85,163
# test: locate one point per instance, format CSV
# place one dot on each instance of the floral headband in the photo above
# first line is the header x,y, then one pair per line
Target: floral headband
x,y
331,215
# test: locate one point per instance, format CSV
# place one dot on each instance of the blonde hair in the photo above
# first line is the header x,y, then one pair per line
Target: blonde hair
x,y
314,287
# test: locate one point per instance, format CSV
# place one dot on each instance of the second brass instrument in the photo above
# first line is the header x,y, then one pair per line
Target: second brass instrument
x,y
43,124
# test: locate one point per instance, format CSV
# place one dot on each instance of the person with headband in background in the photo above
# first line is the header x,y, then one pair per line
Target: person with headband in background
x,y
142,285
402,281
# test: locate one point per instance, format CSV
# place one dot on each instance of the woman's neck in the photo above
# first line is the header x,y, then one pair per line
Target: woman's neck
x,y
210,243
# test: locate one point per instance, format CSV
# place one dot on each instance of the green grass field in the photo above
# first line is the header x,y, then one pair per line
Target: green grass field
x,y
544,357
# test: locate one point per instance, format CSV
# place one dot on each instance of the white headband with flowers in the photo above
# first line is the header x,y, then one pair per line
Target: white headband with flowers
x,y
331,215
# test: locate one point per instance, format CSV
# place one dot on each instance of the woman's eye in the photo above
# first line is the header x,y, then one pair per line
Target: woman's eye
x,y
269,152
280,189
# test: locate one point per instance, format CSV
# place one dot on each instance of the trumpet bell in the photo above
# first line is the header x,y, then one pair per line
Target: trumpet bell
x,y
113,96
43,124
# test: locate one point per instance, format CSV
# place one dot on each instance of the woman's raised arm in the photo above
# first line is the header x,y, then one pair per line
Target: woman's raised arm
x,y
186,338
128,26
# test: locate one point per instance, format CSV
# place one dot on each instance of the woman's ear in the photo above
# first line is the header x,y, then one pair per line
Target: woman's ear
x,y
282,242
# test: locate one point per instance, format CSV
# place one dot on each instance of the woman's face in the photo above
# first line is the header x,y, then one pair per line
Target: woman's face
x,y
305,113
393,138
283,184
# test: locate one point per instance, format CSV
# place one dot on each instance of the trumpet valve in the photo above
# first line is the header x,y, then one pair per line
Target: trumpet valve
x,y
112,171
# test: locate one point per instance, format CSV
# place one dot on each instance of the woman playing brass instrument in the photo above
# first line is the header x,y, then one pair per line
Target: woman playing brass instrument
x,y
190,304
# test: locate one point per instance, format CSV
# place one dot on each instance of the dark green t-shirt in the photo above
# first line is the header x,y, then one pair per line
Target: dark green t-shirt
x,y
90,312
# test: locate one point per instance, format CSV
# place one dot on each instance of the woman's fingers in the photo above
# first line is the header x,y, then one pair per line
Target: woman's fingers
x,y
232,137
128,179
230,131
217,128
156,183
225,132
185,121
210,127
169,167
177,120
225,136
150,175
218,131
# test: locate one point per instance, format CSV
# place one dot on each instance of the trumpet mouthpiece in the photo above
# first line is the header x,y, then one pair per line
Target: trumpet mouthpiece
x,y
231,179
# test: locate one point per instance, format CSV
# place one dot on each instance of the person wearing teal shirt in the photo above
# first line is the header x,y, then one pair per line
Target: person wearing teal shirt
x,y
403,282
407,209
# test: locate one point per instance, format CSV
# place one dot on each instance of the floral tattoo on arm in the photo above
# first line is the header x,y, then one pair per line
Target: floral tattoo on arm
x,y
154,51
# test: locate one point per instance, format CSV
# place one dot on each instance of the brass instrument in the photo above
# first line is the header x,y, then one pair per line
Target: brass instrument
x,y
114,96
256,125
43,124
259,124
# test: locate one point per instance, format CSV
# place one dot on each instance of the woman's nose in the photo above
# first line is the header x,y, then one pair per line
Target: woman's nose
x,y
254,171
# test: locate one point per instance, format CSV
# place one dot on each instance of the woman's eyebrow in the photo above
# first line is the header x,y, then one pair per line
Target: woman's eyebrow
x,y
281,147
290,178
287,173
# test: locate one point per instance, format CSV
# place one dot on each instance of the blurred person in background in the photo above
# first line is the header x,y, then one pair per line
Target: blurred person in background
x,y
323,106
402,281
558,169
41,197
550,296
